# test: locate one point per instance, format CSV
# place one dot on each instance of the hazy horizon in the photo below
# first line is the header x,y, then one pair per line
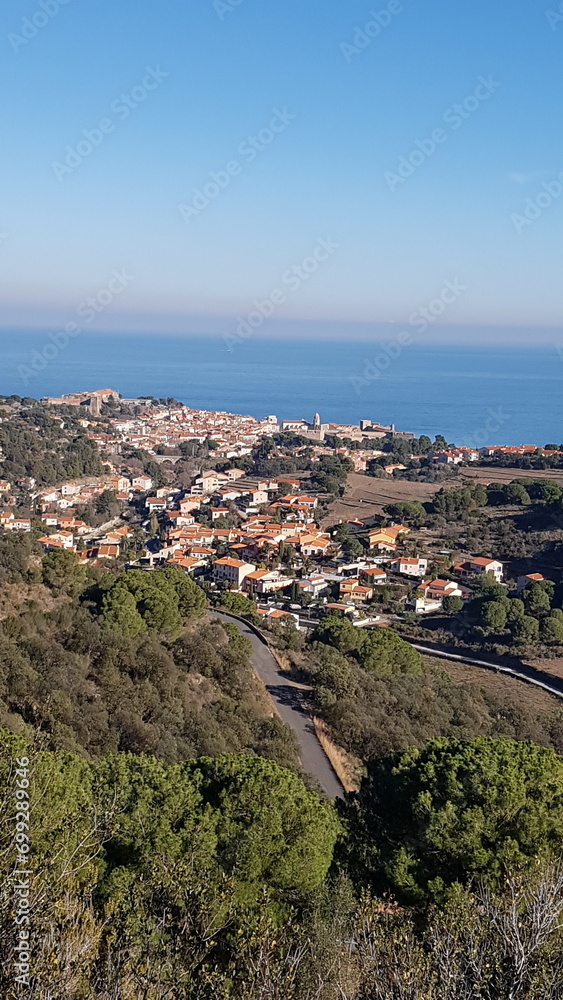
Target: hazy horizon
x,y
323,331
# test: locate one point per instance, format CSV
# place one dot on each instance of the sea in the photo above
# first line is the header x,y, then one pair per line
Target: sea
x,y
474,396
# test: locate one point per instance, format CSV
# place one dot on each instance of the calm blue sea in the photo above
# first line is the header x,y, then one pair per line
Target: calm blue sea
x,y
472,395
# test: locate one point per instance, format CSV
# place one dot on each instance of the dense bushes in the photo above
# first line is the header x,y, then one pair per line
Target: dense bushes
x,y
46,448
209,879
380,652
518,620
144,874
158,601
128,669
378,703
456,812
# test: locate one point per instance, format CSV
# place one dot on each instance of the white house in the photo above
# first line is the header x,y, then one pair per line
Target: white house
x,y
374,576
525,581
431,595
188,504
58,540
155,504
232,570
142,483
19,524
190,564
446,458
50,520
276,614
314,585
210,480
409,566
424,607
256,496
263,581
314,545
476,567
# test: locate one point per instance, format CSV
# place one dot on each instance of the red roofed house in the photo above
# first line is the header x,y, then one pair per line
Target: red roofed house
x,y
57,541
277,615
104,552
142,483
314,585
201,551
19,524
189,563
188,504
373,575
438,589
263,581
353,590
155,503
409,567
179,519
476,567
313,546
525,581
51,520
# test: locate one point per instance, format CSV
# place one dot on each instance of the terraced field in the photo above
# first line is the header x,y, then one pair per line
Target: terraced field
x,y
366,496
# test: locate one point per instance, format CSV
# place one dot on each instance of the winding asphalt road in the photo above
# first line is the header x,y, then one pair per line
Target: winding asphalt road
x,y
288,699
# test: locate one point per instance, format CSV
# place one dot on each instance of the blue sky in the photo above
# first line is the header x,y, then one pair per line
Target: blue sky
x,y
349,96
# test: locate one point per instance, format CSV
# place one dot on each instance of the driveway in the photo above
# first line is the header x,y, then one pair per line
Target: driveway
x,y
288,699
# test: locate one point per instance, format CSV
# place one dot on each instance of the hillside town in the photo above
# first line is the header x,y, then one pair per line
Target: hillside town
x,y
267,538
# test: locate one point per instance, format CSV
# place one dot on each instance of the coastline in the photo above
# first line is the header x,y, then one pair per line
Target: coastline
x,y
469,395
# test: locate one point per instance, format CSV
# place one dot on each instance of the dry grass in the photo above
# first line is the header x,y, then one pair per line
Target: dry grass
x,y
366,496
495,475
500,685
552,667
347,768
201,691
14,595
281,659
